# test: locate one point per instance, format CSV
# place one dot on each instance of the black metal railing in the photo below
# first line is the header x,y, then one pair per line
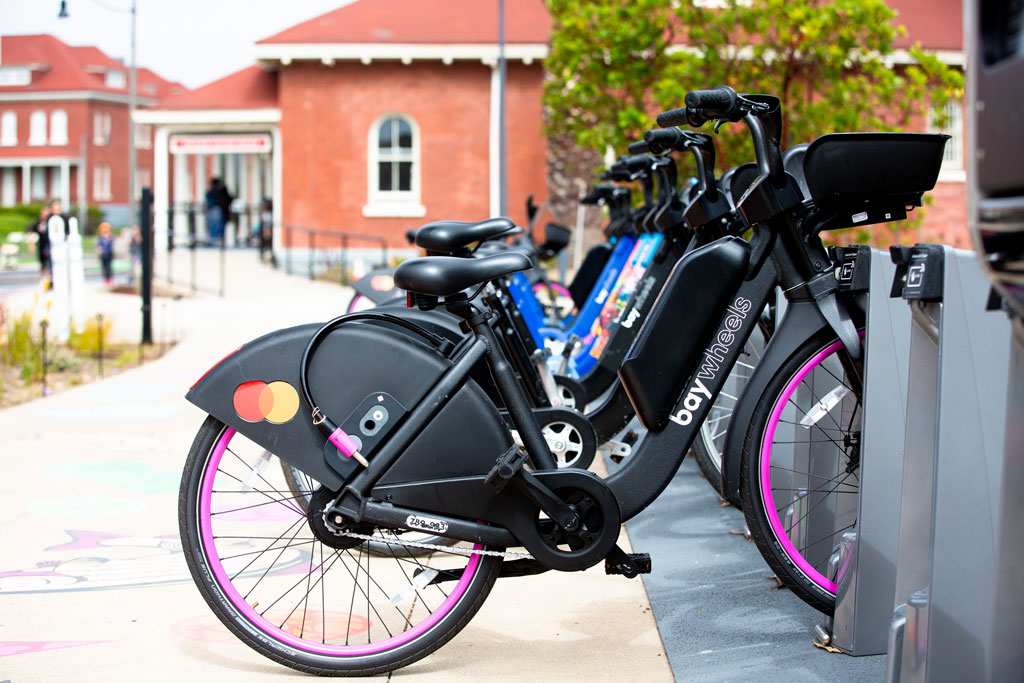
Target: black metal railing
x,y
328,254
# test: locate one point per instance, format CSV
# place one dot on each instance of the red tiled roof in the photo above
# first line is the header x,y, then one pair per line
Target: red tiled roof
x,y
936,24
417,22
65,67
250,88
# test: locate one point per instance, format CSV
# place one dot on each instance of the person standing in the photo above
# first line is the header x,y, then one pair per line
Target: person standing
x,y
105,249
135,250
43,244
214,212
266,229
218,209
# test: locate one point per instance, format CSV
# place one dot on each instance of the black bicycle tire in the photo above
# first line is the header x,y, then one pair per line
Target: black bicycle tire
x,y
450,624
750,492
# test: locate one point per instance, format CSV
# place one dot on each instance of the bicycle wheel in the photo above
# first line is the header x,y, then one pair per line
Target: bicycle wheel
x,y
555,298
801,469
321,606
710,442
302,486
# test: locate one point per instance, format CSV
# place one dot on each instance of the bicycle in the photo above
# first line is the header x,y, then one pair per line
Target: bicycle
x,y
381,445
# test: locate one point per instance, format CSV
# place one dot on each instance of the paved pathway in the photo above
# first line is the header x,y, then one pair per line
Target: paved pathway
x,y
93,585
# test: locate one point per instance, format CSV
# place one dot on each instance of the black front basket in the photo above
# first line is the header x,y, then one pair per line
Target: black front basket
x,y
849,167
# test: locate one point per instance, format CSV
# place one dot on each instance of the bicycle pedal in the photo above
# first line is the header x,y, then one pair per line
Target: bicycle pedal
x,y
628,565
505,468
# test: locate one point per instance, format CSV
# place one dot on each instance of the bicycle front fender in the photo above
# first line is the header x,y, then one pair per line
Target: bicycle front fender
x,y
802,321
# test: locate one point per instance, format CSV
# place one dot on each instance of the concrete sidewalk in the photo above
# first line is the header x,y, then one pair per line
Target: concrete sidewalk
x,y
93,584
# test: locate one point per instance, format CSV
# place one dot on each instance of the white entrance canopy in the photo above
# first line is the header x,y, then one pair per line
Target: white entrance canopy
x,y
191,137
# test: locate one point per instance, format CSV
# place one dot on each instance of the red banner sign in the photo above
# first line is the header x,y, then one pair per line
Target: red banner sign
x,y
235,143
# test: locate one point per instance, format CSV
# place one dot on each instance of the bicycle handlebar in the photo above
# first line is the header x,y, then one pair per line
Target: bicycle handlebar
x,y
684,116
719,101
638,147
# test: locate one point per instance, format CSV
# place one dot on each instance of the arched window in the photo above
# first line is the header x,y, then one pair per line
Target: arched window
x,y
37,128
394,168
59,127
9,129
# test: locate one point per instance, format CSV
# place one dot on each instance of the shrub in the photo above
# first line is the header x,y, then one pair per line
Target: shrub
x,y
21,348
88,340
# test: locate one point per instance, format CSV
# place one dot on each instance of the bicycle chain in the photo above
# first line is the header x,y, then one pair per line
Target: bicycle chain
x,y
435,547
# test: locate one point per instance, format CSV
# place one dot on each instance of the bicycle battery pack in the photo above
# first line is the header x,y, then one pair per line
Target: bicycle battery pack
x,y
679,327
588,273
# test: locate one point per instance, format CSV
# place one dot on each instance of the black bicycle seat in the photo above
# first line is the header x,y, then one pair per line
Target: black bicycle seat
x,y
447,275
448,237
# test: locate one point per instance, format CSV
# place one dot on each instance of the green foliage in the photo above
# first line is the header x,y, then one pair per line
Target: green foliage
x,y
609,69
20,218
21,348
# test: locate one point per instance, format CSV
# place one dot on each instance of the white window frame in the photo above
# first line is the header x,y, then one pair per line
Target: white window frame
x,y
8,129
393,203
952,169
101,128
116,79
101,182
58,127
37,128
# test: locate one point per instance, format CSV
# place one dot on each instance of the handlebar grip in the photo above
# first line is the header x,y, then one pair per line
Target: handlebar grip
x,y
664,140
637,162
638,147
674,117
719,100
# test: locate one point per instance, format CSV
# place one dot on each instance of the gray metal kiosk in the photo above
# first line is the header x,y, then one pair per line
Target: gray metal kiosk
x,y
953,487
864,567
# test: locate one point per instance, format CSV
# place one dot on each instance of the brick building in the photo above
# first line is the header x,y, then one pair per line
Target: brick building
x,y
383,115
64,123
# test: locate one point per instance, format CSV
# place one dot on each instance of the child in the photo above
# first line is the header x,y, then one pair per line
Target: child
x,y
105,248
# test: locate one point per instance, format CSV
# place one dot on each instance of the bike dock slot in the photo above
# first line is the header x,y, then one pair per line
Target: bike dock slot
x,y
956,512
864,566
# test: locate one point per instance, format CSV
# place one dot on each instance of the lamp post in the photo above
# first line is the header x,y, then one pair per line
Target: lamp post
x,y
503,191
132,92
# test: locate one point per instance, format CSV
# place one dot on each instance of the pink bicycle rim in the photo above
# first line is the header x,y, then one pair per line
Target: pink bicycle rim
x,y
766,475
243,607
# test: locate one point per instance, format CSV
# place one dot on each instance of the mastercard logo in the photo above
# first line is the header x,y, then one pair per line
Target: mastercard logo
x,y
276,402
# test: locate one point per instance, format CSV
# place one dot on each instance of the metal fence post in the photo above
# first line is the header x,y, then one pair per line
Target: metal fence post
x,y
223,259
192,240
311,251
288,247
146,227
43,324
344,260
99,342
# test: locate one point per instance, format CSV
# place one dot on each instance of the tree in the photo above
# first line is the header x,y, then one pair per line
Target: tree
x,y
613,64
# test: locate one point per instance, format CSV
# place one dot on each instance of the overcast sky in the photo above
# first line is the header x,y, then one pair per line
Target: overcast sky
x,y
189,41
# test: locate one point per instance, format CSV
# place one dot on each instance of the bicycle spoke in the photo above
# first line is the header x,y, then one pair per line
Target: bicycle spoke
x,y
816,505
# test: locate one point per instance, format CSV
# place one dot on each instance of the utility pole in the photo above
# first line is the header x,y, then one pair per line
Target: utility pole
x,y
132,96
132,92
503,192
